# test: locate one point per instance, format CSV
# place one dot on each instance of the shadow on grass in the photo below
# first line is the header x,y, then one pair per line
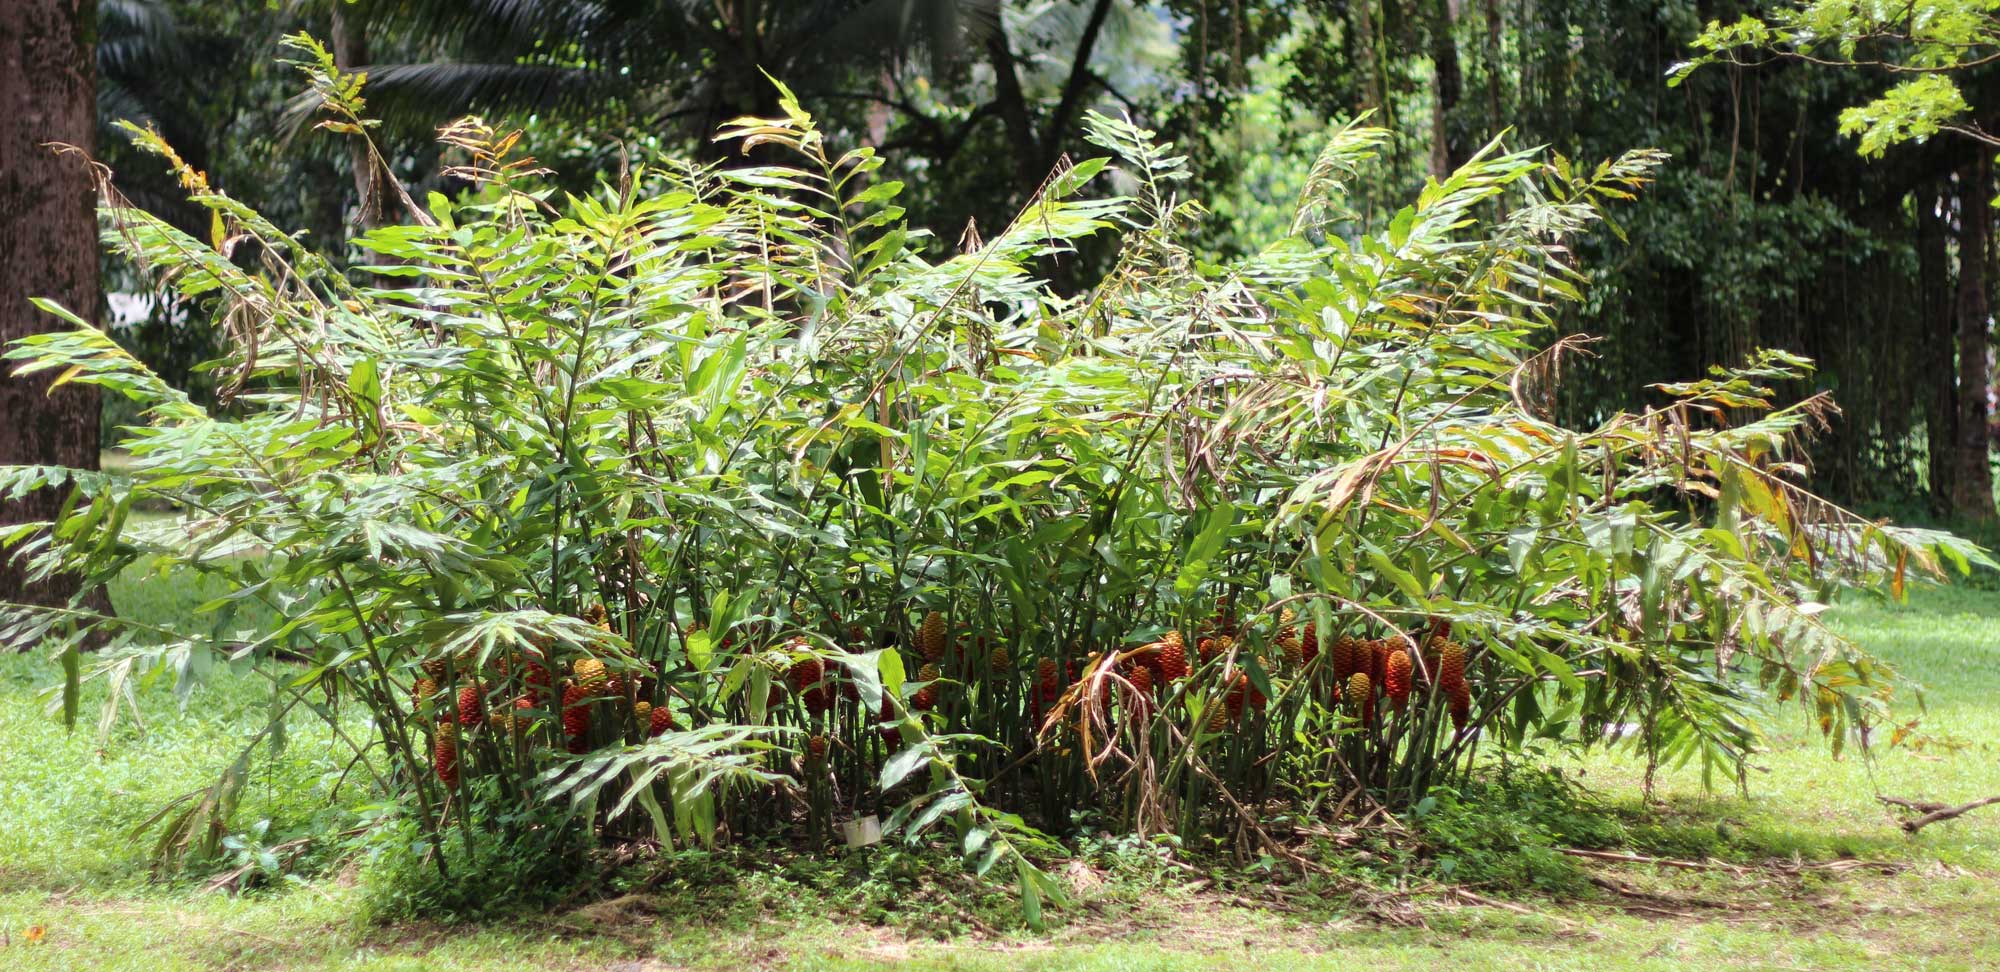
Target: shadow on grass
x,y
1737,831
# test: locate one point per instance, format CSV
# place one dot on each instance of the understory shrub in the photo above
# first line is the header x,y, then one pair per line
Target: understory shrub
x,y
722,503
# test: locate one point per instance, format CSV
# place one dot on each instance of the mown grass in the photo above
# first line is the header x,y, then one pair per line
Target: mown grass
x,y
71,802
70,864
1802,801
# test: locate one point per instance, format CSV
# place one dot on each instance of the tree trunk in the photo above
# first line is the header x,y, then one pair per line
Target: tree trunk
x,y
1935,329
1972,477
1493,118
1448,86
1014,112
350,52
1057,130
1368,63
48,247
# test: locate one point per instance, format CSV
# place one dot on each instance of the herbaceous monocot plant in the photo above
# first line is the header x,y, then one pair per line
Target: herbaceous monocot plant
x,y
722,502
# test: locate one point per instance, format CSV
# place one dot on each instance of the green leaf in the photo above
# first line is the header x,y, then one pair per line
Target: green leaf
x,y
902,764
1031,894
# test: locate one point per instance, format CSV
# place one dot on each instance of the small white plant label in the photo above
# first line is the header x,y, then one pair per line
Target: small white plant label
x,y
862,831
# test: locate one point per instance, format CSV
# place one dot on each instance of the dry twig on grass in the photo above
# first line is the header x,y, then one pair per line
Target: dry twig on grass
x,y
1936,811
1660,861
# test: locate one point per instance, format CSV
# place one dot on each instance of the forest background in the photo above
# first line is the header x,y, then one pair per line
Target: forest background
x,y
1767,228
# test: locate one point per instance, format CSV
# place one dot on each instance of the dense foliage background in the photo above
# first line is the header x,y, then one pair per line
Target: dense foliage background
x,y
1767,229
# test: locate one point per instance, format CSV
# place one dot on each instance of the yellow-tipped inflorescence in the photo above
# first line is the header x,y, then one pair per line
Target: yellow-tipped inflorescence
x,y
1359,694
1290,645
590,674
931,638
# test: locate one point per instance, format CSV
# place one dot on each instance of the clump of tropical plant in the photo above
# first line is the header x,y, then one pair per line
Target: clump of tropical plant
x,y
721,502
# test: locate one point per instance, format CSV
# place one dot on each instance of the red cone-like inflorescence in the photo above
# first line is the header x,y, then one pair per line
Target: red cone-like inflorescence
x,y
1141,678
538,682
926,697
576,716
1048,678
1451,681
471,706
1172,659
805,673
1347,658
658,721
891,735
444,755
1396,677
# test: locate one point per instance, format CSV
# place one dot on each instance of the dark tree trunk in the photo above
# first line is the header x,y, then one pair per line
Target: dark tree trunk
x,y
1014,112
1936,328
1367,56
1448,87
1080,80
1972,477
48,246
1493,67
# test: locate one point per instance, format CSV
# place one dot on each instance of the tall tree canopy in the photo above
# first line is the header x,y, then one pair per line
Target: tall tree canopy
x,y
1767,228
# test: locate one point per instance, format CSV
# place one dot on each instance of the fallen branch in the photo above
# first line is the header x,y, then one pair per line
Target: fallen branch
x,y
1920,806
1638,859
1663,912
1485,902
1946,813
1627,891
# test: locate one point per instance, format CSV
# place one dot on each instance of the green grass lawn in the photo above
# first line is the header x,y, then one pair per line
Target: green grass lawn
x,y
70,864
1946,642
